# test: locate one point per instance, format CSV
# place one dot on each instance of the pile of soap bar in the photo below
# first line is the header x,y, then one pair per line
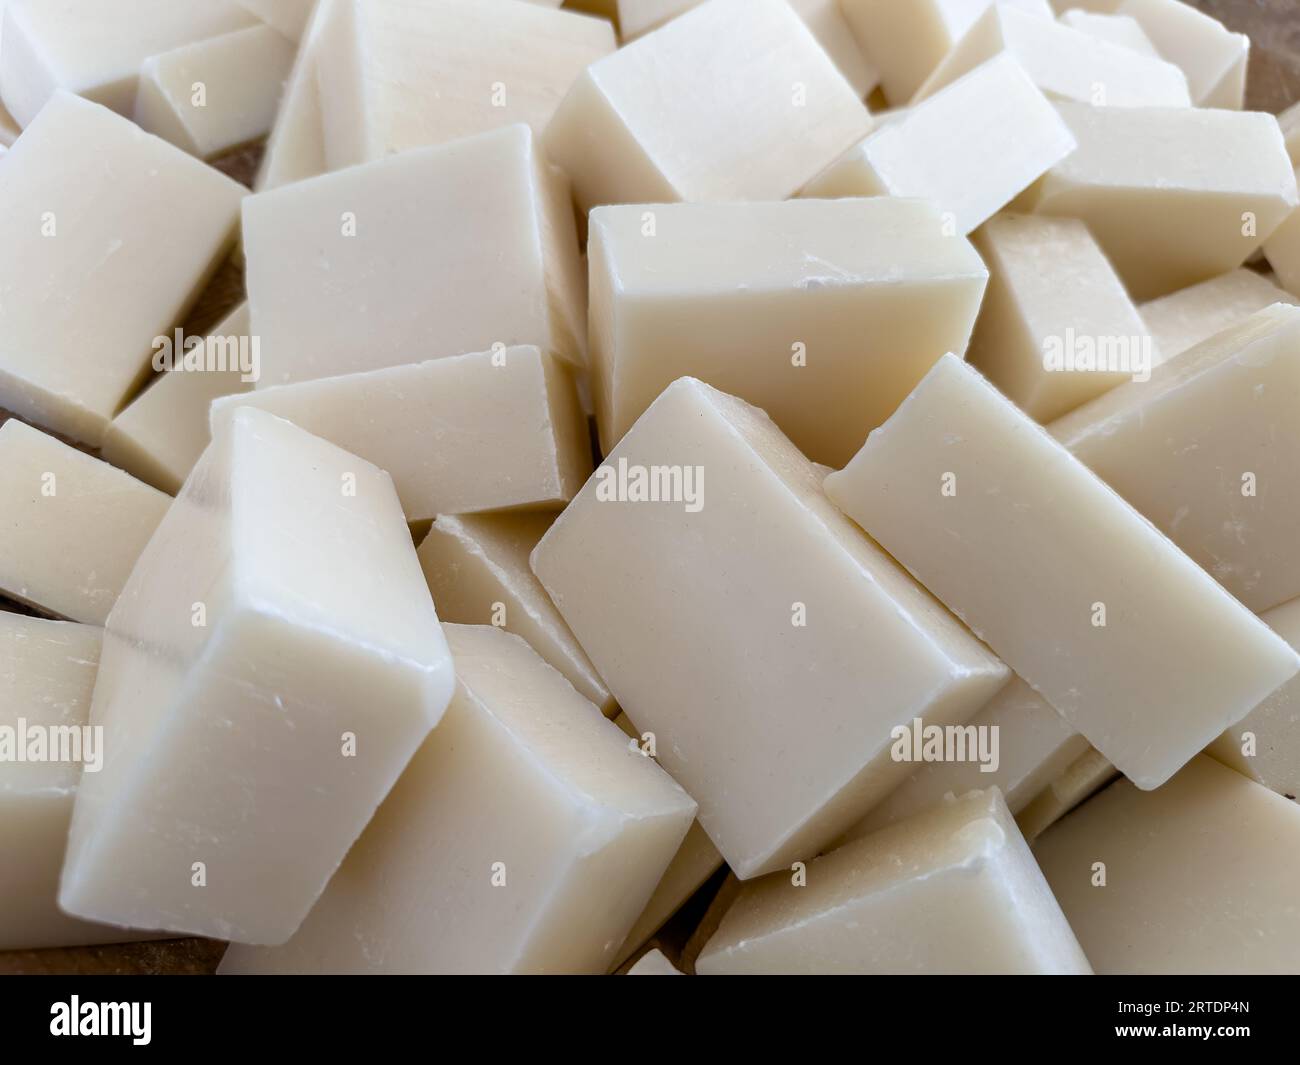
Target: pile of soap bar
x,y
649,486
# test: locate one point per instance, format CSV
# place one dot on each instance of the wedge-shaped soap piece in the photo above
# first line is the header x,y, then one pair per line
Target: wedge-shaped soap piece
x,y
213,96
271,666
825,313
523,838
1173,195
1038,555
72,526
653,963
295,149
1067,64
94,48
1117,29
1207,450
1057,328
466,433
478,573
108,234
971,147
290,17
952,890
1191,315
1213,58
401,260
708,497
1084,777
734,100
1200,876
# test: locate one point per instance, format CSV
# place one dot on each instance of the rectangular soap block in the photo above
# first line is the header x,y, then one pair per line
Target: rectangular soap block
x,y
951,891
734,100
109,234
1082,779
466,433
825,313
971,147
1185,318
400,260
825,18
1226,849
764,643
1127,637
72,526
295,148
1207,450
524,837
1213,58
269,669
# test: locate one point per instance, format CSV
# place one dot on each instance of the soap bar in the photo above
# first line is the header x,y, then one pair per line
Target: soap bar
x,y
72,526
399,260
826,20
295,149
1118,29
638,17
400,74
95,49
1213,59
217,95
972,147
162,433
1207,450
1167,212
1036,554
825,313
1226,849
478,573
1057,328
952,890
108,233
734,100
1191,315
1265,744
289,17
1282,250
269,669
524,837
708,521
466,433
1084,777
653,963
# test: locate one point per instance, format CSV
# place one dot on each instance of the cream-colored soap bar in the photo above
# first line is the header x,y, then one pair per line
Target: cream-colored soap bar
x,y
400,74
952,890
1199,876
653,963
461,434
1017,743
94,48
72,526
162,433
1191,315
478,573
295,149
707,520
1213,59
1067,64
217,95
1123,30
1127,637
1207,450
1282,250
1082,779
400,260
1173,195
289,17
269,669
825,313
972,147
1057,327
524,837
734,100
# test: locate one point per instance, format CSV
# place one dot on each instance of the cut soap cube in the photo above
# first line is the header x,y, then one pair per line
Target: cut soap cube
x,y
1213,59
1191,315
1118,29
295,150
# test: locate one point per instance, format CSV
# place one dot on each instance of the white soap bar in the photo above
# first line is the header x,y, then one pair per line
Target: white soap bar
x,y
1084,777
1173,195
1038,555
734,100
1207,450
825,313
269,669
400,260
1282,250
1191,315
825,18
972,147
400,74
295,149
72,526
952,890
653,963
217,95
524,837
1118,29
95,48
289,17
462,434
1057,328
1199,876
1213,59
108,233
727,518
